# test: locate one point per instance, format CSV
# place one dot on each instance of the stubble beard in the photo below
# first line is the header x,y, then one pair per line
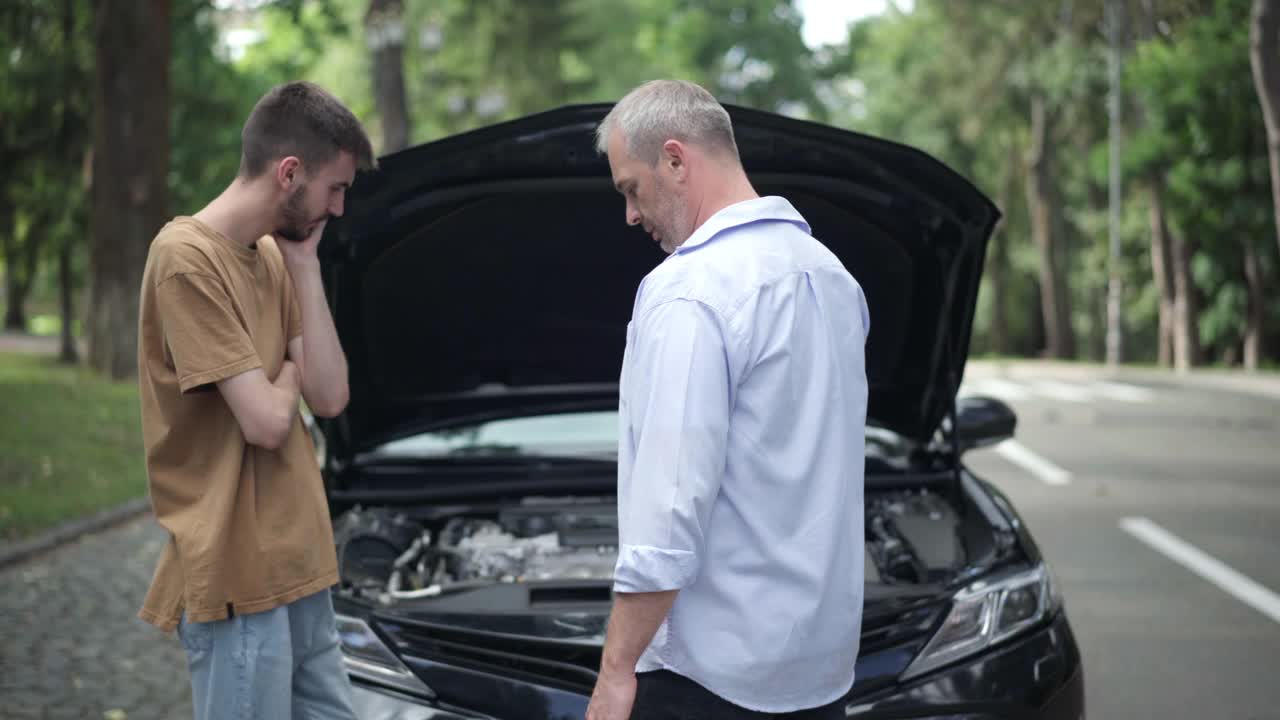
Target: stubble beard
x,y
294,221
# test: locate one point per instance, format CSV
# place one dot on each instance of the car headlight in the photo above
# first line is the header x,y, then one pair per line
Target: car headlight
x,y
368,658
988,612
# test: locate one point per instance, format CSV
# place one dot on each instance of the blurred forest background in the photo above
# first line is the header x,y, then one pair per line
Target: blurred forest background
x,y
117,114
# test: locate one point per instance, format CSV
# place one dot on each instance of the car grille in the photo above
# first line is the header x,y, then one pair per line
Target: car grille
x,y
572,666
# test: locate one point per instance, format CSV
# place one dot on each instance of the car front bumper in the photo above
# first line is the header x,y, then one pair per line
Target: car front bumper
x,y
1038,677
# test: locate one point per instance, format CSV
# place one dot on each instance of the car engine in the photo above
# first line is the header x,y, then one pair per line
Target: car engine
x,y
389,556
912,536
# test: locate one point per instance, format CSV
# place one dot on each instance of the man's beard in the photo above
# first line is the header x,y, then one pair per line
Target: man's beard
x,y
671,228
294,220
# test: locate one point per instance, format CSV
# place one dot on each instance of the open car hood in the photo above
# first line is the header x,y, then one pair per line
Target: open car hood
x,y
491,273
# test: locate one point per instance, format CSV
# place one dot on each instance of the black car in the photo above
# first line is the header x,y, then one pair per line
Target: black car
x,y
481,286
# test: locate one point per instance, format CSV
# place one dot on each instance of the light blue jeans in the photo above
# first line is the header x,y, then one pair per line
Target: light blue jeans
x,y
282,663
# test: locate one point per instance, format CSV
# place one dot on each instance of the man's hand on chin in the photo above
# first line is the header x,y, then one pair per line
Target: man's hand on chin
x,y
304,251
614,695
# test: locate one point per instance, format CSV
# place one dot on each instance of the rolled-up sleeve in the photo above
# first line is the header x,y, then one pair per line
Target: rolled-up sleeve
x,y
675,406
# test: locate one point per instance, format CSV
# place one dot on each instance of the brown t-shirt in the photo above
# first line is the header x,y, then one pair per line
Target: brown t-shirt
x,y
249,527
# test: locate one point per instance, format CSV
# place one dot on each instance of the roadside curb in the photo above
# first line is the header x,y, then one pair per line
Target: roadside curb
x,y
14,553
1237,381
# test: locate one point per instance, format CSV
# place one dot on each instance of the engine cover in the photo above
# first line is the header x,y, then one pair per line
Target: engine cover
x,y
487,551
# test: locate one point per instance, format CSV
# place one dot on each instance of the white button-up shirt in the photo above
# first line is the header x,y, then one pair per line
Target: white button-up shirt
x,y
740,464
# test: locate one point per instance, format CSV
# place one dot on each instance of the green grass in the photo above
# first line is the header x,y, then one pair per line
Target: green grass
x,y
50,325
70,444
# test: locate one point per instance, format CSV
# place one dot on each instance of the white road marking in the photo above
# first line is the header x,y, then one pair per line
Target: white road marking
x,y
1123,392
1003,389
1061,391
1206,566
1020,455
1011,391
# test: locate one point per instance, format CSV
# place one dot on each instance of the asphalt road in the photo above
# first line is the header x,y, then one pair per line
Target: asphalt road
x,y
1157,504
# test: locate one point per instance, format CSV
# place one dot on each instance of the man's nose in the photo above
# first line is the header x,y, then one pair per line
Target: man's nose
x,y
336,206
633,215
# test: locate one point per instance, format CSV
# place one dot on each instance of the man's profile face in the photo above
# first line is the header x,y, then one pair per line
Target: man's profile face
x,y
315,197
652,199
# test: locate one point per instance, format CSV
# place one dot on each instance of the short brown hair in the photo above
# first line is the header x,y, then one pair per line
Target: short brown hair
x,y
303,120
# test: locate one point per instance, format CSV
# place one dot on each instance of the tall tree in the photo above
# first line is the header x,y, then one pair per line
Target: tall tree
x,y
1046,230
25,79
130,168
1194,86
1186,305
1152,179
21,247
384,34
1264,54
44,108
1161,268
72,159
1039,59
998,256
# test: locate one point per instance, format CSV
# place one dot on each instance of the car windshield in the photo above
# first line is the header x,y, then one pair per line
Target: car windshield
x,y
578,433
587,434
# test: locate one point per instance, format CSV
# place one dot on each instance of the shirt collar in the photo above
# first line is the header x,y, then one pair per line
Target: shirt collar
x,y
770,207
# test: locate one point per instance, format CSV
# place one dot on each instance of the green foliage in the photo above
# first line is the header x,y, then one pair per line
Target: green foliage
x,y
210,100
44,128
954,77
71,444
472,62
1204,133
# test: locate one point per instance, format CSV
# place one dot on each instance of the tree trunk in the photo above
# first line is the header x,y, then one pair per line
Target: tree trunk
x,y
998,270
1036,336
1161,246
1186,311
14,316
1257,305
1094,346
129,194
68,352
8,251
36,232
1162,269
15,312
1264,55
20,266
1046,231
384,32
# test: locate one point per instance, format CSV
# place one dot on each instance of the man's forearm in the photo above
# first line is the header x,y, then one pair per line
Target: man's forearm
x,y
266,414
324,367
633,622
288,389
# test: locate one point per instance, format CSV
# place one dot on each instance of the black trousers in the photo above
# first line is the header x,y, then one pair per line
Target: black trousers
x,y
664,695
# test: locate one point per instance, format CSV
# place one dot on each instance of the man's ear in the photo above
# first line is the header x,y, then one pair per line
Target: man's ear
x,y
288,172
673,158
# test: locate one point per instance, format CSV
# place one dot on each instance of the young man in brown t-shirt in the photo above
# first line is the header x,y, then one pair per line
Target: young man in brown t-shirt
x,y
233,329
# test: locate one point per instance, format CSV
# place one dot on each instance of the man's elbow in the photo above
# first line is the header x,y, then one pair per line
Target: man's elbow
x,y
332,404
270,432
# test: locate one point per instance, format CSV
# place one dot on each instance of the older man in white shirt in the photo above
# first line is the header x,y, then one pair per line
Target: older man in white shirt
x,y
739,582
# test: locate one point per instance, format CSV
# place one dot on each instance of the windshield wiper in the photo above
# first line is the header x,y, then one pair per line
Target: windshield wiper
x,y
497,454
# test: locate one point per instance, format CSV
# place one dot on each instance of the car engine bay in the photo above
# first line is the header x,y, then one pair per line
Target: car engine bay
x,y
388,555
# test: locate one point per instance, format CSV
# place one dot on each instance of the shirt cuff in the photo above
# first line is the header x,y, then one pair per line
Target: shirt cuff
x,y
643,569
191,381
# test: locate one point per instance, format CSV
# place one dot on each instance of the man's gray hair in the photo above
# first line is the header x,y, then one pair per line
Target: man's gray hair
x,y
662,110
